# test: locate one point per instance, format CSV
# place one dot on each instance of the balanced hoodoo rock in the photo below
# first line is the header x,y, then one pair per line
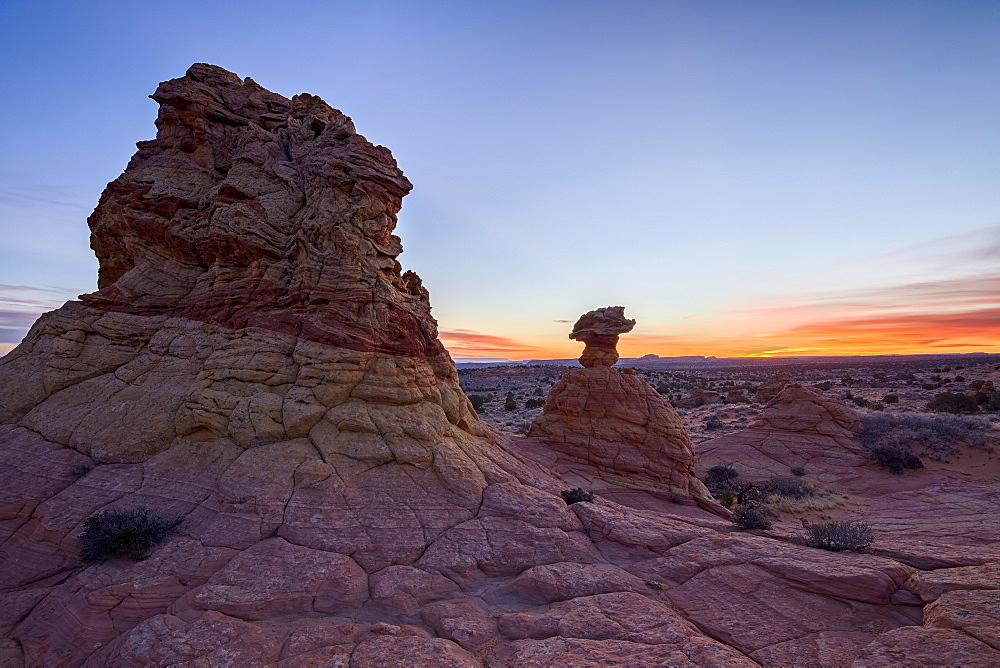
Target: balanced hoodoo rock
x,y
599,330
616,421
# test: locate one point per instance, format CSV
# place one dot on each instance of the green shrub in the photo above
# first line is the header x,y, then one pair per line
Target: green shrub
x,y
798,470
133,532
510,404
890,399
824,386
840,536
953,402
576,495
750,517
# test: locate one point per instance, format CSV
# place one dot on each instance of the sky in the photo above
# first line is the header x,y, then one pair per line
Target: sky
x,y
746,177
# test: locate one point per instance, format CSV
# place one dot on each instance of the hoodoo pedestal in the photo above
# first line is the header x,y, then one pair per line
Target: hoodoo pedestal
x,y
615,420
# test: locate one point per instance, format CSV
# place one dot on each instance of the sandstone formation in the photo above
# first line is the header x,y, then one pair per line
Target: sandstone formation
x,y
256,365
599,330
770,388
799,427
616,421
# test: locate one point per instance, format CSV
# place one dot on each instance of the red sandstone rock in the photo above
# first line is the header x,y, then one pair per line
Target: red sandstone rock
x,y
920,646
621,425
770,388
599,330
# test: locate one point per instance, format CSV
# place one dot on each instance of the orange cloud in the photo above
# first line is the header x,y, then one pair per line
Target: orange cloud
x,y
469,343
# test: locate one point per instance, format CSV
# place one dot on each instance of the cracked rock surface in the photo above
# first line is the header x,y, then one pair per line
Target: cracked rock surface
x,y
256,365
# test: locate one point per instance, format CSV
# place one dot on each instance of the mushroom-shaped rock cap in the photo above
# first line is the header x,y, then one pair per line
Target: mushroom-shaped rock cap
x,y
599,330
604,322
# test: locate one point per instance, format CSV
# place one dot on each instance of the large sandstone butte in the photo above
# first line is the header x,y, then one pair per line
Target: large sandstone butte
x,y
616,421
255,364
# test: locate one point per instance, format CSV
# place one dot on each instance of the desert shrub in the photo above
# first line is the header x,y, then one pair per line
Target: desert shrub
x,y
133,532
840,536
823,386
748,493
890,399
894,458
794,489
478,400
720,476
750,517
798,470
953,402
977,384
534,403
992,403
712,422
933,436
510,404
728,498
576,495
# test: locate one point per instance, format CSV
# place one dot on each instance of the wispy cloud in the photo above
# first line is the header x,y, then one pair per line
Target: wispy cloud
x,y
470,343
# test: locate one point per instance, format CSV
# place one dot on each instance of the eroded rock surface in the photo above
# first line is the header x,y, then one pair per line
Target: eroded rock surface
x,y
256,365
599,330
616,421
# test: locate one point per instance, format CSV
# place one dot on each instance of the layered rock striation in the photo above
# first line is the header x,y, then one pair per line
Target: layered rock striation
x,y
599,331
800,426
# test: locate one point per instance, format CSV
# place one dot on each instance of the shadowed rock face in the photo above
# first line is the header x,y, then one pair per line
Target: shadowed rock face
x,y
255,365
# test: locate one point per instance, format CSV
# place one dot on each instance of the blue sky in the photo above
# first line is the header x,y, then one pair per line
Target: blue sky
x,y
731,172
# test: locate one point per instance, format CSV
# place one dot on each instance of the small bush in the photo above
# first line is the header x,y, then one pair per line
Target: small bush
x,y
890,399
840,536
478,401
510,403
798,470
953,402
113,533
712,423
894,458
720,476
571,496
823,386
534,403
750,517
